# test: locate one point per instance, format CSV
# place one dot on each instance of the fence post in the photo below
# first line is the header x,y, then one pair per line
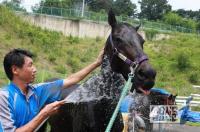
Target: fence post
x,y
41,10
160,26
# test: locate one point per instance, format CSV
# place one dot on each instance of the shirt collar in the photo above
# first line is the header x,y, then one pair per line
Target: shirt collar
x,y
18,90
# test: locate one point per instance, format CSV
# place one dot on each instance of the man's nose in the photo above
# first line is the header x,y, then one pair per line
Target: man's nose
x,y
34,69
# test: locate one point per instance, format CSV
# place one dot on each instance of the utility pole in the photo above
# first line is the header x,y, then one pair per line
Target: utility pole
x,y
83,8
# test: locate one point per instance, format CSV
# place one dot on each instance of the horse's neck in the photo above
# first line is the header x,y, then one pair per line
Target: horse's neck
x,y
112,82
106,84
108,73
105,66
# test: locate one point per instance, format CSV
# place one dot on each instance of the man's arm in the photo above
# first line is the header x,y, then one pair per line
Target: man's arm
x,y
77,77
44,113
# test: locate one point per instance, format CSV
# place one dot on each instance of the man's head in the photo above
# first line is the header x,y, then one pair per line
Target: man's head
x,y
18,64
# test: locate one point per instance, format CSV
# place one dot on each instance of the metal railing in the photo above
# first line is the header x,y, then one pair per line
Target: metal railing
x,y
182,100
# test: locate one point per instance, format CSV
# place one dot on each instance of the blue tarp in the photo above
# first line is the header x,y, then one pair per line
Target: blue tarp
x,y
161,91
186,115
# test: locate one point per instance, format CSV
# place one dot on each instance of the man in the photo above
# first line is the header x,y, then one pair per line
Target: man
x,y
21,104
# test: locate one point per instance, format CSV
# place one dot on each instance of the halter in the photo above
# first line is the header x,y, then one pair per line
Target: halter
x,y
133,64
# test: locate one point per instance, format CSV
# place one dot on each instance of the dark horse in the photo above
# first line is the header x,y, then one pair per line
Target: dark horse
x,y
90,106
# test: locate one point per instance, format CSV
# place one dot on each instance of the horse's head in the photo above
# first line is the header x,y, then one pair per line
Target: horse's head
x,y
125,49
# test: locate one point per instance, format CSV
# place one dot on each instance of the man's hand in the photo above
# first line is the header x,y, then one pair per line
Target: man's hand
x,y
52,108
100,57
42,116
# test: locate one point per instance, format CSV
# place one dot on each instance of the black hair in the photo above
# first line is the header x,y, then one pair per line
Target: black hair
x,y
15,57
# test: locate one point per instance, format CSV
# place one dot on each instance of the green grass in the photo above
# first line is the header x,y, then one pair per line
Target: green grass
x,y
176,59
56,55
197,124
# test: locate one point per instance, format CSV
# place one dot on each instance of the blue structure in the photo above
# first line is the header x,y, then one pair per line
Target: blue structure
x,y
186,115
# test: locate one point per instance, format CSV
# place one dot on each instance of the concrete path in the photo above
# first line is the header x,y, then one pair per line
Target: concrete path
x,y
176,128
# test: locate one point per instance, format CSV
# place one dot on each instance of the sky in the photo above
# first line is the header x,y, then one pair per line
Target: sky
x,y
181,4
176,4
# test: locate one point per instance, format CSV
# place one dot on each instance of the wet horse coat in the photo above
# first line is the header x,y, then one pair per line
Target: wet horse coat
x,y
92,104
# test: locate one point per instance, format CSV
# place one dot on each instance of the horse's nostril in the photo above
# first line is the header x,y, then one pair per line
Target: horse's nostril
x,y
146,74
152,73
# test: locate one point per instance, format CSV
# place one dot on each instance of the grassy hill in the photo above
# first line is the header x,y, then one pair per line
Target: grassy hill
x,y
177,62
56,55
176,59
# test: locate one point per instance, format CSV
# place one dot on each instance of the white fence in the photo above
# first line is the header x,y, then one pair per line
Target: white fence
x,y
182,100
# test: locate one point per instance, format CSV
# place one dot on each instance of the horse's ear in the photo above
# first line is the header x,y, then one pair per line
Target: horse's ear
x,y
137,27
170,96
111,18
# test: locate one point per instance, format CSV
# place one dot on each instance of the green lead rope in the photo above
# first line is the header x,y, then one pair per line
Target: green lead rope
x,y
125,90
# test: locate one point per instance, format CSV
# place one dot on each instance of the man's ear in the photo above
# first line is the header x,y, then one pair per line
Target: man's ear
x,y
15,70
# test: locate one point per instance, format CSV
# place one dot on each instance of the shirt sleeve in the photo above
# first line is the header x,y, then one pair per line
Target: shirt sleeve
x,y
6,121
49,92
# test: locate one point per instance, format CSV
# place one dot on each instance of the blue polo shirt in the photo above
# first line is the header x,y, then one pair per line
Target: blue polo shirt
x,y
16,109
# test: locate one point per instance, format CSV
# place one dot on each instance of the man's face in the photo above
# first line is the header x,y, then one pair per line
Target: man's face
x,y
27,72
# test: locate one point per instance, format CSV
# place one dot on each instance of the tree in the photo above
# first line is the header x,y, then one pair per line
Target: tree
x,y
14,4
174,19
189,14
58,3
124,7
120,7
98,5
154,9
74,4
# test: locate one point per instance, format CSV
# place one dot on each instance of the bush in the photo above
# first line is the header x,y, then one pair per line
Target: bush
x,y
70,52
150,34
183,61
74,63
172,19
41,76
176,20
98,39
73,40
193,78
52,58
61,69
7,37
